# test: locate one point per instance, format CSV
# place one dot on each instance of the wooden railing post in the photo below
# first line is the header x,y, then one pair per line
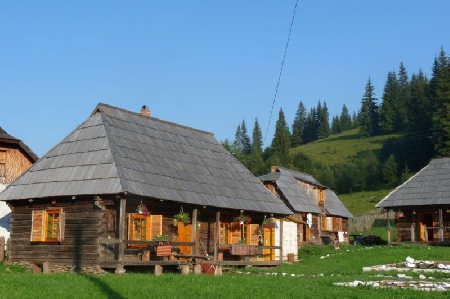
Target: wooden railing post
x,y
413,233
388,227
216,237
441,227
122,223
194,238
425,233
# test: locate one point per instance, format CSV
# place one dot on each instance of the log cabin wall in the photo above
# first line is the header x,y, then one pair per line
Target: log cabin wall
x,y
84,223
15,163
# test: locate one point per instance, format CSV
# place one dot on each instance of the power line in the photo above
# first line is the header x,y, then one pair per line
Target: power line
x,y
281,69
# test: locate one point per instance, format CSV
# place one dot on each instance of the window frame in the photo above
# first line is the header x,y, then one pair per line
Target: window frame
x,y
40,225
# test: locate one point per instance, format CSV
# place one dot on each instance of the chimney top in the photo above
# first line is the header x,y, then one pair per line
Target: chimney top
x,y
145,111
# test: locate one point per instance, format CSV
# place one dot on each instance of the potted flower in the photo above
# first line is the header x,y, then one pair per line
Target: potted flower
x,y
242,219
142,209
182,217
268,223
399,214
161,237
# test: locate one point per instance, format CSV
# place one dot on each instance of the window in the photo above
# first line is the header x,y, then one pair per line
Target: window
x,y
143,228
230,233
47,225
2,166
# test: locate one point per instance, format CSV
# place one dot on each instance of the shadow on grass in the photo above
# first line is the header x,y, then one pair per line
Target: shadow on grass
x,y
103,287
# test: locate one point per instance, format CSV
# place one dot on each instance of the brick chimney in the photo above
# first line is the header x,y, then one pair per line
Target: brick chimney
x,y
145,111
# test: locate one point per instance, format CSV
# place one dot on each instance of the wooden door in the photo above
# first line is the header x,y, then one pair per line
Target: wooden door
x,y
185,235
269,240
426,220
306,233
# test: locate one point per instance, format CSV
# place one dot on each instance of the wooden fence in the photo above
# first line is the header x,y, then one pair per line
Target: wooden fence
x,y
374,218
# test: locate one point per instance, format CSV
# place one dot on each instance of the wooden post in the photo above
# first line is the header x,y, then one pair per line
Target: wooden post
x,y
281,239
413,233
158,270
184,269
2,248
216,237
197,269
441,227
122,224
388,227
194,232
46,267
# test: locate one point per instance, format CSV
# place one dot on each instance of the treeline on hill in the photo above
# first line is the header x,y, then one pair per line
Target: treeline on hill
x,y
417,109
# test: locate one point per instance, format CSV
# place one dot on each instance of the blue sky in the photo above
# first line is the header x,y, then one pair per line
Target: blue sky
x,y
203,64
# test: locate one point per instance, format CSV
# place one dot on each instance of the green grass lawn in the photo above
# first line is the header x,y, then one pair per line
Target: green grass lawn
x,y
311,277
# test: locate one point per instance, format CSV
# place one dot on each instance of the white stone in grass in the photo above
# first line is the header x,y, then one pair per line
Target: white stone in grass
x,y
284,274
293,275
421,276
410,259
401,275
322,257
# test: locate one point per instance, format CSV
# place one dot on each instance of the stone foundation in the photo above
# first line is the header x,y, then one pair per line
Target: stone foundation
x,y
57,268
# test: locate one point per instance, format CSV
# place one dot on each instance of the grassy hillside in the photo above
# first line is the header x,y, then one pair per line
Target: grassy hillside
x,y
361,202
340,148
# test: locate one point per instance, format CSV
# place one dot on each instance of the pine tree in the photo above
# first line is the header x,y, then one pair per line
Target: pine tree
x,y
298,126
369,112
255,160
400,104
389,116
281,142
310,132
237,144
336,125
242,140
324,121
345,120
440,84
418,118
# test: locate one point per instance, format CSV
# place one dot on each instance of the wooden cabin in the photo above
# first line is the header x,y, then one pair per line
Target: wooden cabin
x,y
115,192
15,158
319,215
421,205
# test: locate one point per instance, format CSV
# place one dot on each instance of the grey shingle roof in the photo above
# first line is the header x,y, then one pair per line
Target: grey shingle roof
x,y
116,151
297,196
294,193
429,186
334,206
7,138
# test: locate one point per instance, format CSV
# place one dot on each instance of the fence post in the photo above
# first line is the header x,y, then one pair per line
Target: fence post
x,y
413,233
2,248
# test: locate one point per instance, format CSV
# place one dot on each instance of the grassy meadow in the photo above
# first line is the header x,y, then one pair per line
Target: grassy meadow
x,y
342,147
310,277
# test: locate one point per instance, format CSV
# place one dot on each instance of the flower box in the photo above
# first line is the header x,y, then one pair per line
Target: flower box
x,y
164,250
243,249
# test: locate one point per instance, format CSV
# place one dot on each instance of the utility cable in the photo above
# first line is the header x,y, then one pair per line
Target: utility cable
x,y
281,69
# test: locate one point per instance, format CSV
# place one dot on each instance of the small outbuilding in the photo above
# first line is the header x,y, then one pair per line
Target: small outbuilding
x,y
15,158
421,205
318,214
